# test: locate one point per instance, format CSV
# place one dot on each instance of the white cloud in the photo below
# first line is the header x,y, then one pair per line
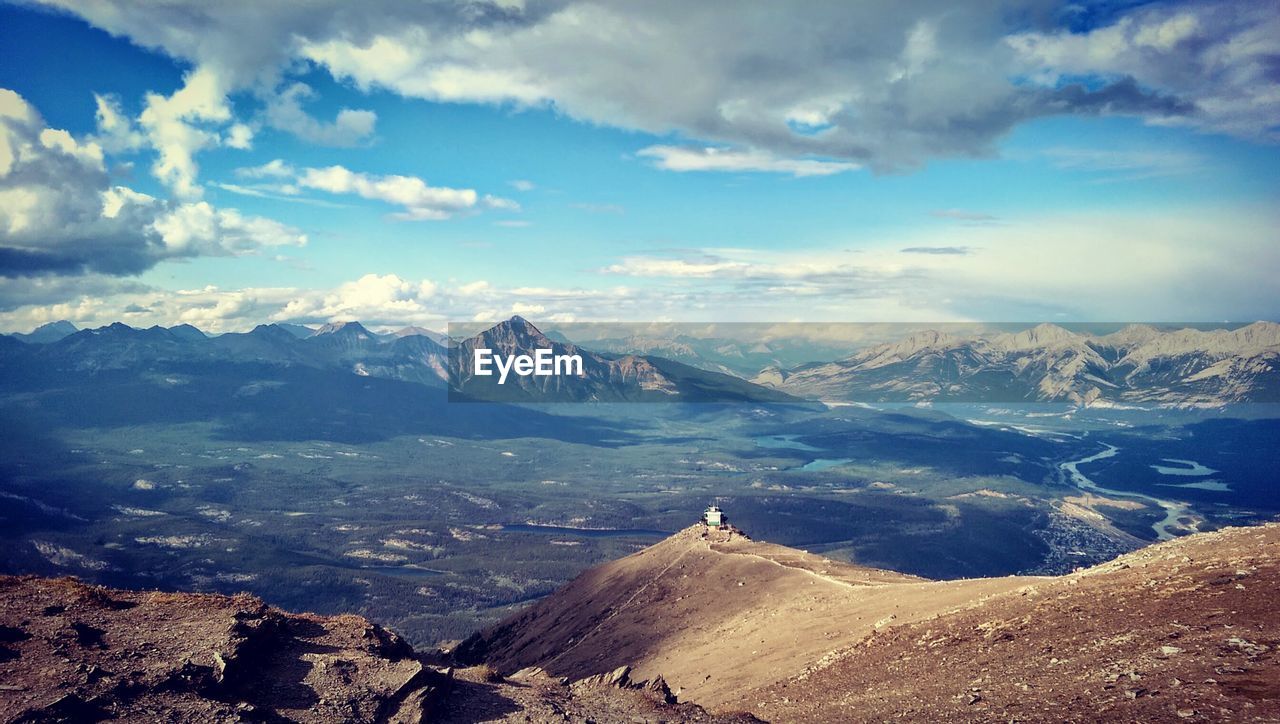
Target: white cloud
x,y
499,203
643,266
371,299
523,308
417,199
886,85
276,169
239,136
710,158
351,127
198,228
523,185
176,127
473,288
60,214
116,131
1195,264
1217,56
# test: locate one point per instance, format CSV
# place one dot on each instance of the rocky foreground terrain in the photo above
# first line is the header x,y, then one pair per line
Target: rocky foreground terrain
x,y
705,626
71,652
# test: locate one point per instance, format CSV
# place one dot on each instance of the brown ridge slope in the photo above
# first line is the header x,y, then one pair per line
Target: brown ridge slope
x,y
79,653
715,615
1187,630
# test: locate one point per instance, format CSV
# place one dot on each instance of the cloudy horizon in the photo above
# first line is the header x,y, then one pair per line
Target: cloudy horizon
x,y
412,164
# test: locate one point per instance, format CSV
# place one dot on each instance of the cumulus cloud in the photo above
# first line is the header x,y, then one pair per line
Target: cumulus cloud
x,y
351,127
60,213
175,127
889,85
239,136
117,132
378,300
1219,57
372,299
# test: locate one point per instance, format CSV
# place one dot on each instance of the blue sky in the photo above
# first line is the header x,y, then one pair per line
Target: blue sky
x,y
1100,165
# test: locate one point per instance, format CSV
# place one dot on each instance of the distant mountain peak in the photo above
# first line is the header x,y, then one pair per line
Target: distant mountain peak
x,y
1045,334
187,331
49,332
271,330
351,329
517,330
58,326
114,328
518,322
413,331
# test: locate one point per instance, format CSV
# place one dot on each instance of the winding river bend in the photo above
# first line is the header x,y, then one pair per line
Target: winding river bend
x,y
1172,510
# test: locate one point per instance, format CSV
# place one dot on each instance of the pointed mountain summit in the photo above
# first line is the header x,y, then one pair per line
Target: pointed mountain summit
x,y
1041,335
346,329
347,340
517,334
605,378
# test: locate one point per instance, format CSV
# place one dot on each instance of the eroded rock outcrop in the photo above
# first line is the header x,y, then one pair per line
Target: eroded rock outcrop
x,y
75,652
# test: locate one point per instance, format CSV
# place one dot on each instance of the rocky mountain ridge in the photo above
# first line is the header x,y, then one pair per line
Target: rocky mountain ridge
x,y
410,355
1137,365
1182,630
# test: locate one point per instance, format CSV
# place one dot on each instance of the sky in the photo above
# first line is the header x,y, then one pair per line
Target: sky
x,y
226,165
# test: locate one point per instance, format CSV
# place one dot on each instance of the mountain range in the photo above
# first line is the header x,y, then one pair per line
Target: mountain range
x,y
1139,365
411,354
744,356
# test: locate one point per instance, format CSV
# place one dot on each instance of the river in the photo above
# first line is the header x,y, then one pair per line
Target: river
x,y
1172,510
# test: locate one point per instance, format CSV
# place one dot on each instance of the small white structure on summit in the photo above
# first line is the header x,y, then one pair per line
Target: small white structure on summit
x,y
713,517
